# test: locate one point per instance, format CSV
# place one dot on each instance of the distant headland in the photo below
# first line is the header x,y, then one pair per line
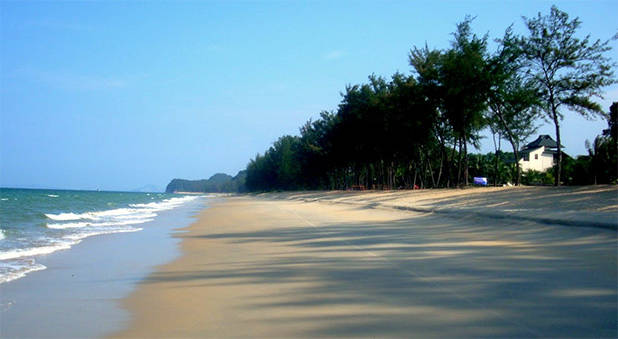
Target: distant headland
x,y
218,183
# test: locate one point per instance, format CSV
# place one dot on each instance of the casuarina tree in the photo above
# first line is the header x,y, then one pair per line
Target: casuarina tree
x,y
569,71
513,101
463,73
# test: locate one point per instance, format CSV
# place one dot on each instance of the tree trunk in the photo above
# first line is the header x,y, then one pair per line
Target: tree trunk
x,y
449,168
465,161
509,134
459,164
559,167
496,170
440,172
496,147
391,174
433,182
394,175
516,152
443,155
420,178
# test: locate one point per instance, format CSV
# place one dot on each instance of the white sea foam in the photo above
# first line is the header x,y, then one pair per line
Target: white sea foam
x,y
16,263
99,224
32,251
118,213
15,271
152,205
63,216
68,241
2,234
69,225
52,196
165,204
4,199
136,214
79,236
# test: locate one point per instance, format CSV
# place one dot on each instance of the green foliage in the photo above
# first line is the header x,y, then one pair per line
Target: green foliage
x,y
532,177
568,71
278,169
483,165
410,131
603,152
456,82
577,171
600,166
464,78
513,100
218,183
612,122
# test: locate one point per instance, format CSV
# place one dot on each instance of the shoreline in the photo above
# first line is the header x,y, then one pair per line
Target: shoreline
x,y
307,264
78,294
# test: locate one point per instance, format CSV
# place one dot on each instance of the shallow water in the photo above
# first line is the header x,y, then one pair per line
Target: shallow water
x,y
80,293
36,222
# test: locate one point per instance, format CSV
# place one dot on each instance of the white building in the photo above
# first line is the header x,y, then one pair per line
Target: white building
x,y
539,155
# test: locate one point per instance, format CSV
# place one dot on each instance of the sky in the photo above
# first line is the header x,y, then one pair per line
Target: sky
x,y
119,95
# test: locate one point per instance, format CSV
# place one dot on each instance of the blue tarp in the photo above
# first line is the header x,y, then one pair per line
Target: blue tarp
x,y
480,181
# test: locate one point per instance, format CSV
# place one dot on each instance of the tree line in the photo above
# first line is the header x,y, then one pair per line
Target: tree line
x,y
415,130
218,183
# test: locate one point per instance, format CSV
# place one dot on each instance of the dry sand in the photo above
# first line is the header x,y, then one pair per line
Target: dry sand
x,y
301,265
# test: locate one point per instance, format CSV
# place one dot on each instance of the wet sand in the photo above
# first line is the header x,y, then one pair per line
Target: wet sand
x,y
354,264
78,295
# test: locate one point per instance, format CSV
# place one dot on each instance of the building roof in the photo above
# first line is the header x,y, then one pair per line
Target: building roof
x,y
542,140
547,151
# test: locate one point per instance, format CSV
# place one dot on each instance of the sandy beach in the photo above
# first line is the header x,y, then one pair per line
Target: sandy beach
x,y
516,262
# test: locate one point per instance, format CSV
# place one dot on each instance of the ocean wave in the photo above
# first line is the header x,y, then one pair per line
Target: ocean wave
x,y
99,224
63,216
99,215
2,236
67,242
32,251
140,210
165,204
52,196
121,213
9,272
96,223
17,263
69,225
79,236
72,227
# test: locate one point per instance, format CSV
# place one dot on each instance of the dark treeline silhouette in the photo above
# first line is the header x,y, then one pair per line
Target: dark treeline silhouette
x,y
218,183
414,130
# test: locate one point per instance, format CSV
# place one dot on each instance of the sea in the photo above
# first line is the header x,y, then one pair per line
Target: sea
x,y
38,222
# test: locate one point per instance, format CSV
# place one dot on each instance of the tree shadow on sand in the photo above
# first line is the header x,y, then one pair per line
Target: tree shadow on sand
x,y
425,276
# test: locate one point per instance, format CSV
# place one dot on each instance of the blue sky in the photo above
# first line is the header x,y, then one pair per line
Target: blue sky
x,y
124,94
